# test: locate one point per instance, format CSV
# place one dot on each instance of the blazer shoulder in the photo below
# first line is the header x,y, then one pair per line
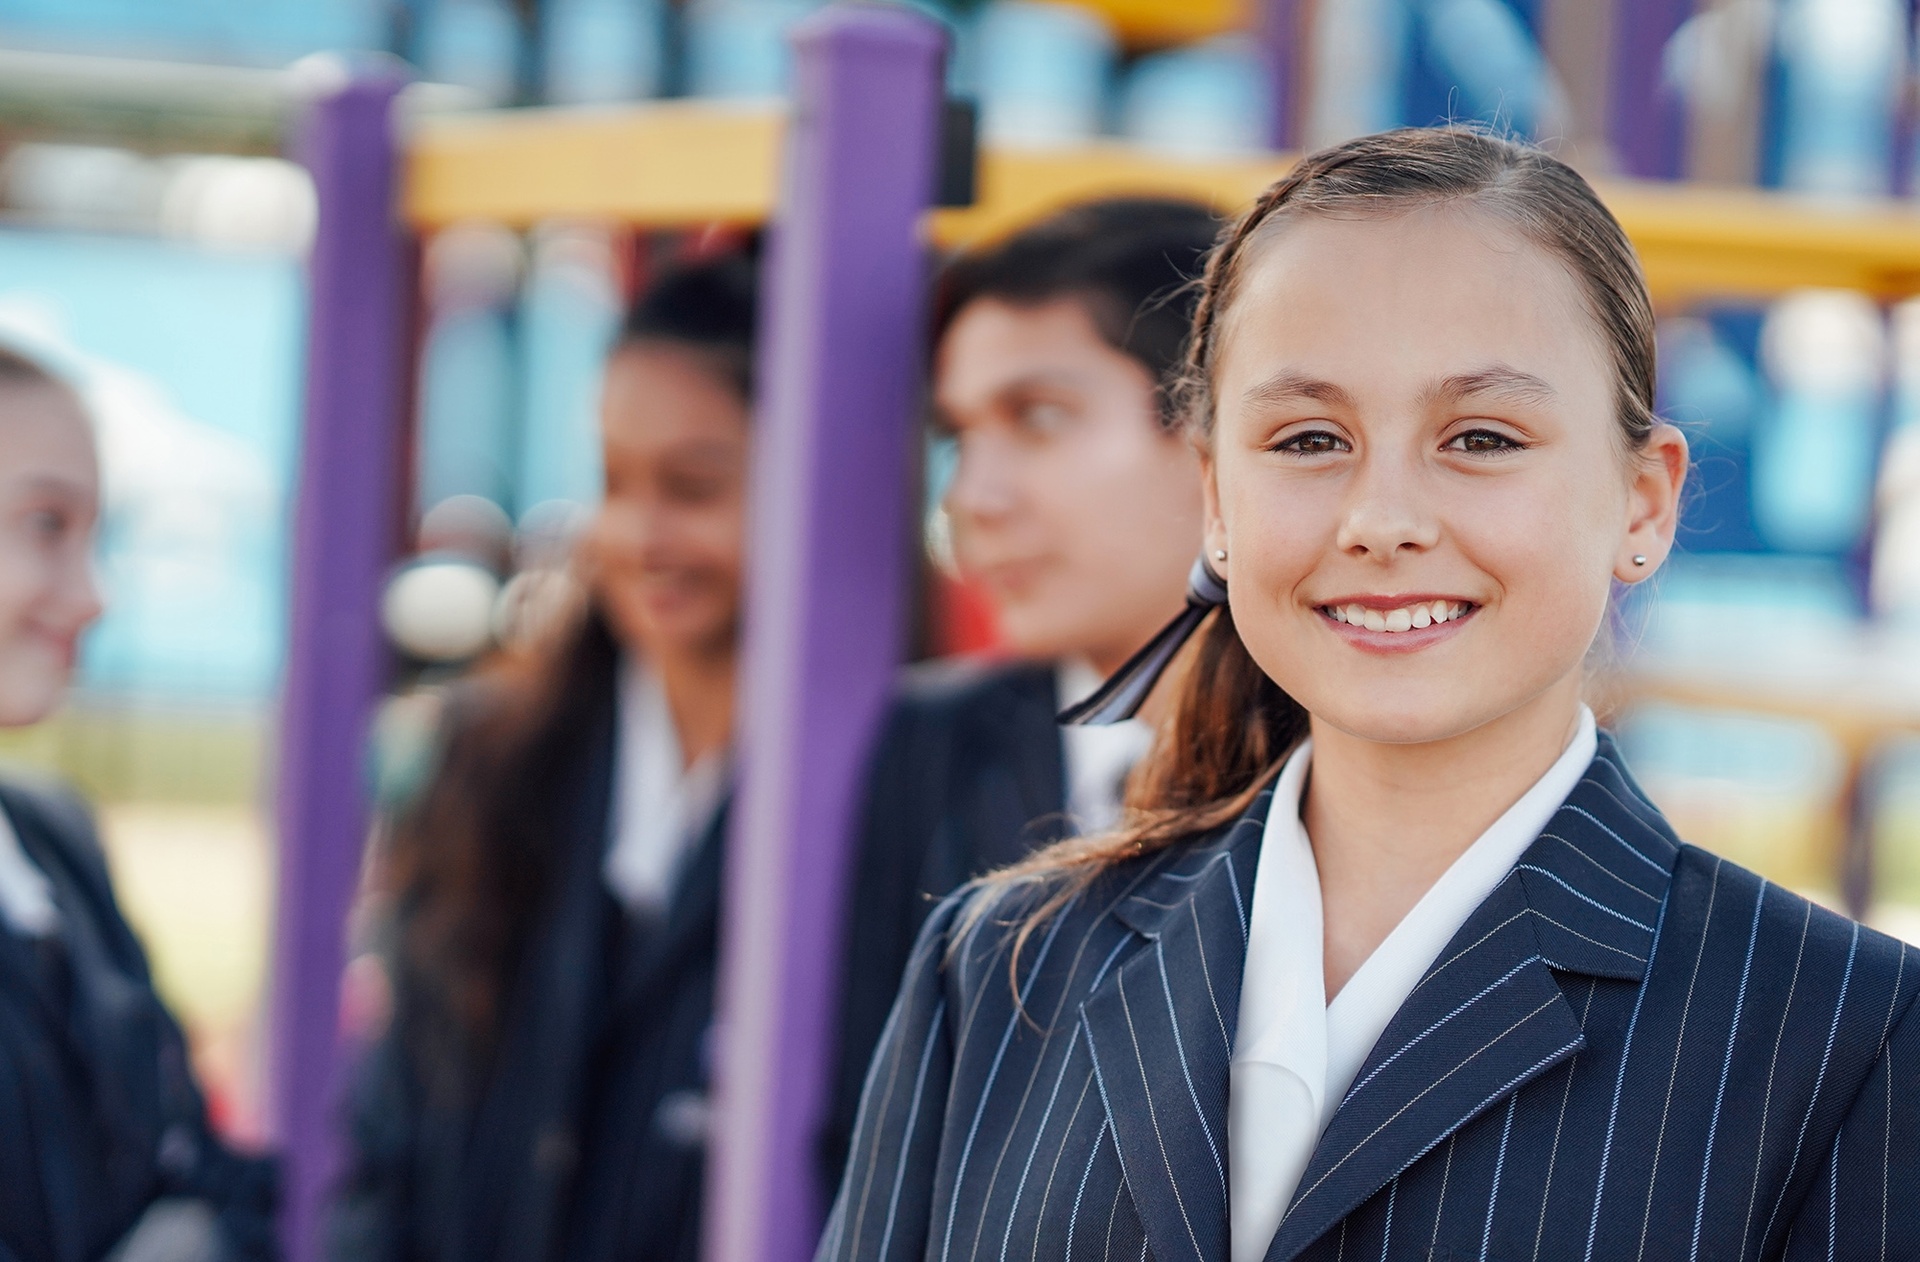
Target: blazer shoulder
x,y
999,922
1793,936
956,687
53,810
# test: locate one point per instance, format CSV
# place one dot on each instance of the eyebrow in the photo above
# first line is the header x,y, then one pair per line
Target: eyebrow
x,y
1039,379
1287,385
1498,380
54,484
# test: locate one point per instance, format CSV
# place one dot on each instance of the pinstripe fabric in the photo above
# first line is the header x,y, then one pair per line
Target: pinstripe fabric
x,y
1631,1050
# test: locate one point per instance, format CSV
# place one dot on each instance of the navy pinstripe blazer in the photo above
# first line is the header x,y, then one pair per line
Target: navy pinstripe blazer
x,y
1631,1050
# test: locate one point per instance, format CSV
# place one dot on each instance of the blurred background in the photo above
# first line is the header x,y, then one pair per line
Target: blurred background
x,y
151,243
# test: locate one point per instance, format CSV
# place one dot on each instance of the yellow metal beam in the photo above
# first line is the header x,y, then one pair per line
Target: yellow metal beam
x,y
681,163
667,164
1152,23
1706,242
1018,186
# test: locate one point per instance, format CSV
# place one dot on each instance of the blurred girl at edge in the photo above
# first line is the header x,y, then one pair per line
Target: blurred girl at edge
x,y
104,1142
1393,959
541,1089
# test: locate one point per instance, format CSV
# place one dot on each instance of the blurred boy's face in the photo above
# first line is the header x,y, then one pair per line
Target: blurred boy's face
x,y
49,503
665,552
1072,504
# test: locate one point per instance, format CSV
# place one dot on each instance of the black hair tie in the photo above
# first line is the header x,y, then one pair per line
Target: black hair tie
x,y
1120,697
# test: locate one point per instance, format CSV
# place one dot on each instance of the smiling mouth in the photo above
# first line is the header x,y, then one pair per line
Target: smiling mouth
x,y
1412,617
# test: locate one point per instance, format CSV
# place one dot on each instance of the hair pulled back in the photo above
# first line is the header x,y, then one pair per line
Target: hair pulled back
x,y
1232,726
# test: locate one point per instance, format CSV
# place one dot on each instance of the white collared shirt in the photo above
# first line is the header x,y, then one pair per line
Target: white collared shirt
x,y
1098,759
661,806
1295,1054
26,896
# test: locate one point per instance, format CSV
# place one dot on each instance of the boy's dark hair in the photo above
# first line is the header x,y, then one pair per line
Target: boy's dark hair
x,y
1131,262
710,306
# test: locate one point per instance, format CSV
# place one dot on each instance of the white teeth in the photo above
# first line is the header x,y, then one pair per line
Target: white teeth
x,y
1406,618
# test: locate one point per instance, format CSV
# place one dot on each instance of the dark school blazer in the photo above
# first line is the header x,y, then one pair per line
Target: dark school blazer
x,y
584,1137
1631,1050
968,775
100,1117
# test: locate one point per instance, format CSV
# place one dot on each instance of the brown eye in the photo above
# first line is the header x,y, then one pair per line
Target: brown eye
x,y
1483,442
49,524
1315,442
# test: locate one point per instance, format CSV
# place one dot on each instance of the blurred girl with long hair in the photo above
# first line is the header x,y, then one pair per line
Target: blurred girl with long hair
x,y
555,887
1391,958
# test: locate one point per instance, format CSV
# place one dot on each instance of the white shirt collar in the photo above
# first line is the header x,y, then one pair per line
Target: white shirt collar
x,y
1295,1055
26,896
1098,759
661,806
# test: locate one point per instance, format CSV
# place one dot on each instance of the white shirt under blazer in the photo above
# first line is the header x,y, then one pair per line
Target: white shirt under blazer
x,y
1295,1054
1630,1049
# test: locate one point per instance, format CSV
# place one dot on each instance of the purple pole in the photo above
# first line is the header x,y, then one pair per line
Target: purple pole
x,y
827,595
342,546
1282,32
1646,118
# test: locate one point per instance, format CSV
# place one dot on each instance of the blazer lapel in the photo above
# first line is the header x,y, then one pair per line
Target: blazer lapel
x,y
1489,1016
692,916
1161,1032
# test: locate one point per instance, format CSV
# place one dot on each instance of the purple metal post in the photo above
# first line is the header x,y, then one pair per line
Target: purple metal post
x,y
1282,33
827,594
1646,117
342,547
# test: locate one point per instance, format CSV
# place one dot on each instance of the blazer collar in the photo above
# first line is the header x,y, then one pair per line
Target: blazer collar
x,y
1161,1046
1489,1015
1487,1018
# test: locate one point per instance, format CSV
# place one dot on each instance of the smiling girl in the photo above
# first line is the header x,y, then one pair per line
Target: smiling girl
x,y
1392,958
105,1146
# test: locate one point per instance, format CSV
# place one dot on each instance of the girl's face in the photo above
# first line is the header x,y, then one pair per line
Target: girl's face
x,y
1071,505
666,550
49,502
1418,477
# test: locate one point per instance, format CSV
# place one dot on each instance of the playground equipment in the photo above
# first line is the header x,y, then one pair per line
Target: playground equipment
x,y
846,178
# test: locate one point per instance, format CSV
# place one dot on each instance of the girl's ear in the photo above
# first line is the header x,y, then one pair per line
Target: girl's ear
x,y
1653,504
1215,526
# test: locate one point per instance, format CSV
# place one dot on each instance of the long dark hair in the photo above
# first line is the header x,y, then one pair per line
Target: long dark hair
x,y
1232,726
472,859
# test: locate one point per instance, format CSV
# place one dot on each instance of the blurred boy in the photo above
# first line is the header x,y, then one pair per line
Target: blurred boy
x,y
1076,505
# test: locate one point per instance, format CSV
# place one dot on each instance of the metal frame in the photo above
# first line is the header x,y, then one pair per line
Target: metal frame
x,y
343,542
705,163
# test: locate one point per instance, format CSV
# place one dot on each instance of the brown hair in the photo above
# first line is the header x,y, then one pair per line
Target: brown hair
x,y
475,856
1232,726
20,371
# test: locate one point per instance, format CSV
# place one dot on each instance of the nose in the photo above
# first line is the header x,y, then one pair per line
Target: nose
x,y
85,601
983,488
1386,514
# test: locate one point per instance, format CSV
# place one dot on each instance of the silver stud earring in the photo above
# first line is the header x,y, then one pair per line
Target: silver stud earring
x,y
1639,560
1219,554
